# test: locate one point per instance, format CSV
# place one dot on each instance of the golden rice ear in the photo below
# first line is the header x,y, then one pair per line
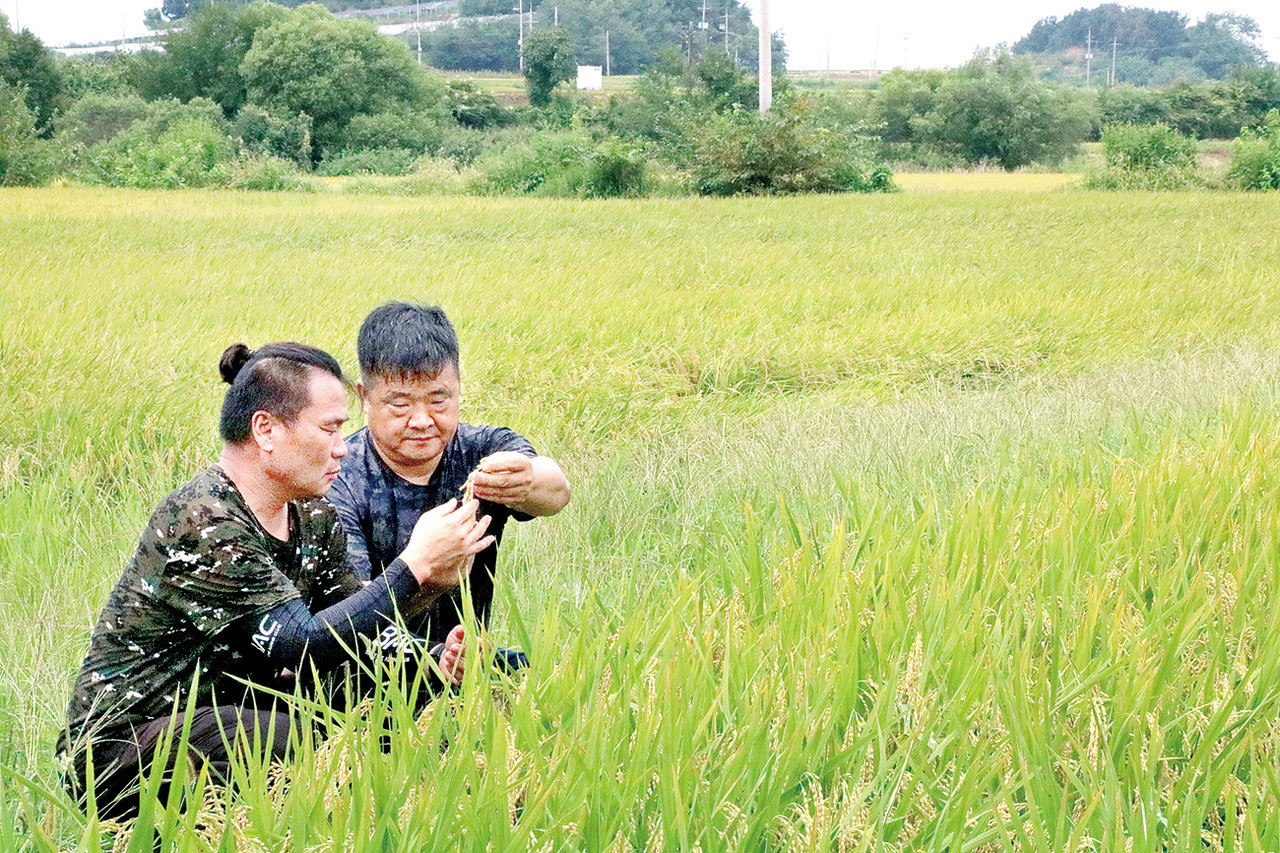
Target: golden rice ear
x,y
469,488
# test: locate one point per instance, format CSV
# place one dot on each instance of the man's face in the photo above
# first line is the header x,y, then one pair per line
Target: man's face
x,y
413,418
306,453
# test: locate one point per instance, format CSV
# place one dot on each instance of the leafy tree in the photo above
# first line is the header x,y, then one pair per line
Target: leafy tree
x,y
638,32
25,158
26,65
902,97
1255,161
472,8
203,59
95,74
1136,31
548,62
262,133
1222,43
1129,104
995,109
1151,47
333,70
474,46
96,118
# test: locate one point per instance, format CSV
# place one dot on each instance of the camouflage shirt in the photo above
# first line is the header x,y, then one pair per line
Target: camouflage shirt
x,y
203,565
379,509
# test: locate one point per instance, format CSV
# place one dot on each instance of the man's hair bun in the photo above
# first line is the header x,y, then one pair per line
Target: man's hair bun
x,y
234,357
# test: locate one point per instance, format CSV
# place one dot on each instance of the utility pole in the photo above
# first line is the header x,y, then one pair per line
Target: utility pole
x,y
606,53
418,27
726,27
1088,59
521,42
1114,41
765,69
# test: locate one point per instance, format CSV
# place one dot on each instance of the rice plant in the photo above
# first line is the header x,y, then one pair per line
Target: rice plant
x,y
934,521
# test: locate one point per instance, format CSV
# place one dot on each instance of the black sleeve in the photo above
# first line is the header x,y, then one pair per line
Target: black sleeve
x,y
292,637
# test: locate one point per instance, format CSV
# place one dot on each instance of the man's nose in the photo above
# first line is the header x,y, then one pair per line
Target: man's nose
x,y
339,448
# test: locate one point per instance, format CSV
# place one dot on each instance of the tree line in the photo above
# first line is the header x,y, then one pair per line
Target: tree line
x,y
1148,46
997,109
263,96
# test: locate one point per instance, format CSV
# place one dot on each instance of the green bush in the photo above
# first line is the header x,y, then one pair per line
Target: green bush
x,y
1150,157
194,152
419,131
25,158
431,176
994,109
744,153
463,146
373,161
260,132
525,166
96,118
564,165
265,173
1255,160
615,171
475,109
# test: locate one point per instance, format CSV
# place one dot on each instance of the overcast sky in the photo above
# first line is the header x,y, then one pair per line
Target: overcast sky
x,y
840,34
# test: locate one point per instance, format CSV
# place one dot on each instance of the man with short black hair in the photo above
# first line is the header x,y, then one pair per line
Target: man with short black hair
x,y
415,455
239,581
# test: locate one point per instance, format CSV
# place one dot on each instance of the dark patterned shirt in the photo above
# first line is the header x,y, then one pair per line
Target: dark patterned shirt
x,y
379,509
203,564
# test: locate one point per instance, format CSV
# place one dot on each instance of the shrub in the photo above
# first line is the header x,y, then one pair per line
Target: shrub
x,y
565,165
25,158
1255,160
463,146
525,166
615,171
742,153
194,152
260,132
432,176
265,173
1153,156
476,109
373,161
416,130
97,118
993,109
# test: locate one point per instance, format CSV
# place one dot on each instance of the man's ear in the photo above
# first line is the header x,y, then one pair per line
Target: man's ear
x,y
362,392
262,429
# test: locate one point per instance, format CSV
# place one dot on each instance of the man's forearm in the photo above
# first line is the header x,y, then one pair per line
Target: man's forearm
x,y
550,490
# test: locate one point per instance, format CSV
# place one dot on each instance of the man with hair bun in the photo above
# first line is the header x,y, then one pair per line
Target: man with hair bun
x,y
415,454
240,579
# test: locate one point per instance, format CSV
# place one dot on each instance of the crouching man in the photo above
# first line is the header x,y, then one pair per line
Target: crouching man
x,y
415,455
241,578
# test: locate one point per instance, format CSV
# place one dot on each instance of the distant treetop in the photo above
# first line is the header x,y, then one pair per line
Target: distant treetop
x,y
1214,47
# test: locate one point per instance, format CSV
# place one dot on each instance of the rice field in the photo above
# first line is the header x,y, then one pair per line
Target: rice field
x,y
932,521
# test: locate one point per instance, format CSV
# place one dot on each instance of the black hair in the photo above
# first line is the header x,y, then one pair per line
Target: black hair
x,y
274,378
402,339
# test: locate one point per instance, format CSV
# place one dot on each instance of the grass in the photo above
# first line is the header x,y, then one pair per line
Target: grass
x,y
928,521
983,181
